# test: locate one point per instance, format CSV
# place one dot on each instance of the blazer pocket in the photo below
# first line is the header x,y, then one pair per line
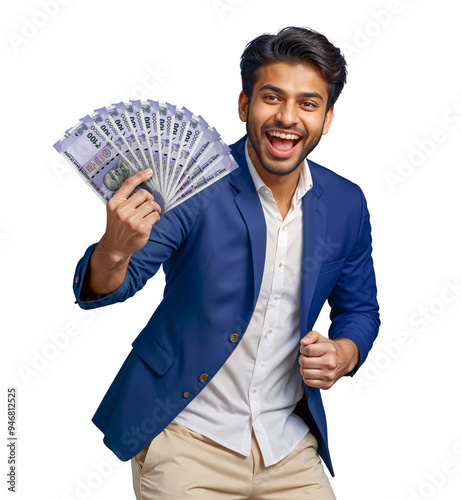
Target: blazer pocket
x,y
329,267
152,353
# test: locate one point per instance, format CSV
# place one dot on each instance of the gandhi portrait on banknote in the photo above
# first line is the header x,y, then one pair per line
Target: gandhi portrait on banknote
x,y
117,175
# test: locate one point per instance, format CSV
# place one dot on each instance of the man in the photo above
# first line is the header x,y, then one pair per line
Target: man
x,y
220,396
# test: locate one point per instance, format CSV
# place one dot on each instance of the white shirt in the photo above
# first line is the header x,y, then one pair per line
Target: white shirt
x,y
259,385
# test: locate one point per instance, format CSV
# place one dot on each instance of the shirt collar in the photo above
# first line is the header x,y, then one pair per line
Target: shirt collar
x,y
305,182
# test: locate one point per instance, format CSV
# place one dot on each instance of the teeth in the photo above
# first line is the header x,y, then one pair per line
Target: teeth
x,y
291,137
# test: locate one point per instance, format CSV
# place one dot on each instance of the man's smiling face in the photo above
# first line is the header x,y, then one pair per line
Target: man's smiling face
x,y
286,116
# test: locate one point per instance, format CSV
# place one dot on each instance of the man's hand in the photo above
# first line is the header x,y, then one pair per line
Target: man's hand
x,y
324,361
129,223
130,218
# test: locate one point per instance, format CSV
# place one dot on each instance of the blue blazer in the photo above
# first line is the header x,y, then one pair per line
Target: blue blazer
x,y
212,248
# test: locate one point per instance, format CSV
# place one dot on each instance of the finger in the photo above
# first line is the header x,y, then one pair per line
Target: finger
x,y
314,350
131,183
313,375
318,378
319,384
140,198
152,218
147,207
311,338
311,363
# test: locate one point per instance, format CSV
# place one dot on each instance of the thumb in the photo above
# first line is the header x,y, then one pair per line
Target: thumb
x,y
312,338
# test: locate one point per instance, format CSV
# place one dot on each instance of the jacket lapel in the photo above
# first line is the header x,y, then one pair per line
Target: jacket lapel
x,y
314,229
249,206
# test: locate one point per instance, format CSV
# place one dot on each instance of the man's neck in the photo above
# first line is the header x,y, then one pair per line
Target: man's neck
x,y
283,187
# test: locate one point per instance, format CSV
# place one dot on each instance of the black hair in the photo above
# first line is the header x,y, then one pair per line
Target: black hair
x,y
297,46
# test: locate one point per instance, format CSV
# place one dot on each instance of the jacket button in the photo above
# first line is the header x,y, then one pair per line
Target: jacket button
x,y
186,394
203,377
77,278
234,337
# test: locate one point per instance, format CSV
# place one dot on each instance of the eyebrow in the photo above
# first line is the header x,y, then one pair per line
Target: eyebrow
x,y
304,95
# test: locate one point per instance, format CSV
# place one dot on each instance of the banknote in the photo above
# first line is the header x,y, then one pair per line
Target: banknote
x,y
151,119
120,118
180,129
114,142
207,139
166,121
109,178
103,122
134,110
190,188
85,147
207,162
197,127
95,156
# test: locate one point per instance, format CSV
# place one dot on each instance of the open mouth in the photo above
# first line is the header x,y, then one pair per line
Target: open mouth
x,y
282,143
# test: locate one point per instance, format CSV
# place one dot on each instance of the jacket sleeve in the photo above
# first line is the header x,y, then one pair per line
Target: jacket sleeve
x,y
166,237
354,307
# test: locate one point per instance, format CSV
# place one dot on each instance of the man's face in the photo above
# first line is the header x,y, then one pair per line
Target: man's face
x,y
286,116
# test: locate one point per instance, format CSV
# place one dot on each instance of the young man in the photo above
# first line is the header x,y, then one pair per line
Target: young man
x,y
220,396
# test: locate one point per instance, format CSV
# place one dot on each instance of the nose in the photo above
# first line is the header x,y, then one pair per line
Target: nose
x,y
287,114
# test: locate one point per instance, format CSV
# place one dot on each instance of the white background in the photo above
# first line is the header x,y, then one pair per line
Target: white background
x,y
394,428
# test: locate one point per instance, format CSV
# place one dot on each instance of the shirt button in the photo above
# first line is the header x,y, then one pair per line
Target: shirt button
x,y
234,337
203,377
270,330
280,264
283,228
276,298
186,394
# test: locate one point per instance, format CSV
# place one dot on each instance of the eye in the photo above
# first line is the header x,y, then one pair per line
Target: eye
x,y
271,98
309,104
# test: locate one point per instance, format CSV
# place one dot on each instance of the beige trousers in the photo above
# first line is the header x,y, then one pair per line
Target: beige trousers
x,y
180,463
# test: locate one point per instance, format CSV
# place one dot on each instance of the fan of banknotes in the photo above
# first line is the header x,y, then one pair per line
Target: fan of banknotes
x,y
110,145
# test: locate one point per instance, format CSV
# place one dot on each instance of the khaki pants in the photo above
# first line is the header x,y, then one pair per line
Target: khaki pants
x,y
180,463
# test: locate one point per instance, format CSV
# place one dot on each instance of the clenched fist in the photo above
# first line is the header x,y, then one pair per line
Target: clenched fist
x,y
323,361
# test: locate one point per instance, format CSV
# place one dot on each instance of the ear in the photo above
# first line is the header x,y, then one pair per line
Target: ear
x,y
243,106
328,119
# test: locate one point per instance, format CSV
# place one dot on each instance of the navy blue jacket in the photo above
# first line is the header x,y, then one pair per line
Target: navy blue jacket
x,y
212,248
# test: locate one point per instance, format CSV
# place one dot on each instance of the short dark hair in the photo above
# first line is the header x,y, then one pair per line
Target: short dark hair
x,y
297,46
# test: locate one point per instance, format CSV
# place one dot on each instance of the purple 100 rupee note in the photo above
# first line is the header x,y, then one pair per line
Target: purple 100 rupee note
x,y
117,141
